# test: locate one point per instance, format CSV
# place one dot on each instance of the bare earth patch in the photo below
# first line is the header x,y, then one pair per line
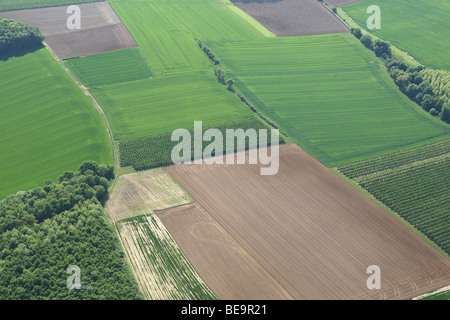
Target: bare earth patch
x,y
101,29
313,234
292,17
143,192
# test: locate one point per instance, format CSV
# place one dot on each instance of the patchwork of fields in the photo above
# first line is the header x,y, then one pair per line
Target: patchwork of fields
x,y
419,27
225,231
329,94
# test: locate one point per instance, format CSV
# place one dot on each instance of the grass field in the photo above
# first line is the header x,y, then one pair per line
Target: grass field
x,y
163,104
157,262
47,124
329,94
29,4
165,30
419,27
110,67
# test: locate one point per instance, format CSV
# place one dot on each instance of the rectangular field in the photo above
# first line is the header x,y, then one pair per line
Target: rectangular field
x,y
314,233
101,29
292,17
329,94
28,4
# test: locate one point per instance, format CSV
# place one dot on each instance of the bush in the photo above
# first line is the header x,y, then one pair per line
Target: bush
x,y
357,33
16,37
366,40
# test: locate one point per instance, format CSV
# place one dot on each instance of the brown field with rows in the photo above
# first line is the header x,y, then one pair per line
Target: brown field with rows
x,y
101,29
304,233
292,17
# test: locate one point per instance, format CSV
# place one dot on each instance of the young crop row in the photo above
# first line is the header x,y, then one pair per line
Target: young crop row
x,y
391,161
155,151
419,194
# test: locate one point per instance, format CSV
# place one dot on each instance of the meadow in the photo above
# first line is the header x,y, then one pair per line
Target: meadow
x,y
6,5
419,27
329,94
47,124
110,67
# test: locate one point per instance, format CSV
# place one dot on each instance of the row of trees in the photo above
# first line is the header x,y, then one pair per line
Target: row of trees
x,y
427,87
46,230
16,37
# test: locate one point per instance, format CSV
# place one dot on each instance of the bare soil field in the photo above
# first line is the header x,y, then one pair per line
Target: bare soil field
x,y
101,29
341,3
143,192
292,17
308,230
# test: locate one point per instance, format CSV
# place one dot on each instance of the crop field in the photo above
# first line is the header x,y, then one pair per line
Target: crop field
x,y
159,266
415,185
340,3
47,124
419,27
163,104
144,192
165,30
441,294
329,94
155,151
313,232
101,29
110,67
29,4
292,17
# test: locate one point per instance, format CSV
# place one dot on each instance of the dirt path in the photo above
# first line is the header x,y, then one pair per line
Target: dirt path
x,y
96,105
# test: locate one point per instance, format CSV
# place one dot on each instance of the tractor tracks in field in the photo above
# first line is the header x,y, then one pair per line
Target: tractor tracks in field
x,y
96,105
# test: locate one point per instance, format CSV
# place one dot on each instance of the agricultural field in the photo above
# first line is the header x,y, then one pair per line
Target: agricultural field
x,y
47,124
144,192
308,217
101,29
166,30
160,267
110,67
292,17
419,27
415,185
441,294
329,94
6,5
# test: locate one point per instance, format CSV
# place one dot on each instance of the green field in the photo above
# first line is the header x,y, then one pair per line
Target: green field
x,y
161,105
419,27
165,30
47,124
110,67
329,94
6,5
416,190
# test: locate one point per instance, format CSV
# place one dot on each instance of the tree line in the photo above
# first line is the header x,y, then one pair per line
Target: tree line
x,y
429,88
16,37
46,230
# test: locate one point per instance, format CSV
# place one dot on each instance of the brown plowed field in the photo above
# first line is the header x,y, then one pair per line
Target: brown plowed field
x,y
304,230
293,17
101,29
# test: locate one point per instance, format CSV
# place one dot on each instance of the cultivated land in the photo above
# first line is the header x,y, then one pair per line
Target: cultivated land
x,y
47,125
101,29
292,17
314,233
419,27
110,67
161,269
340,3
414,184
329,94
28,4
142,193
